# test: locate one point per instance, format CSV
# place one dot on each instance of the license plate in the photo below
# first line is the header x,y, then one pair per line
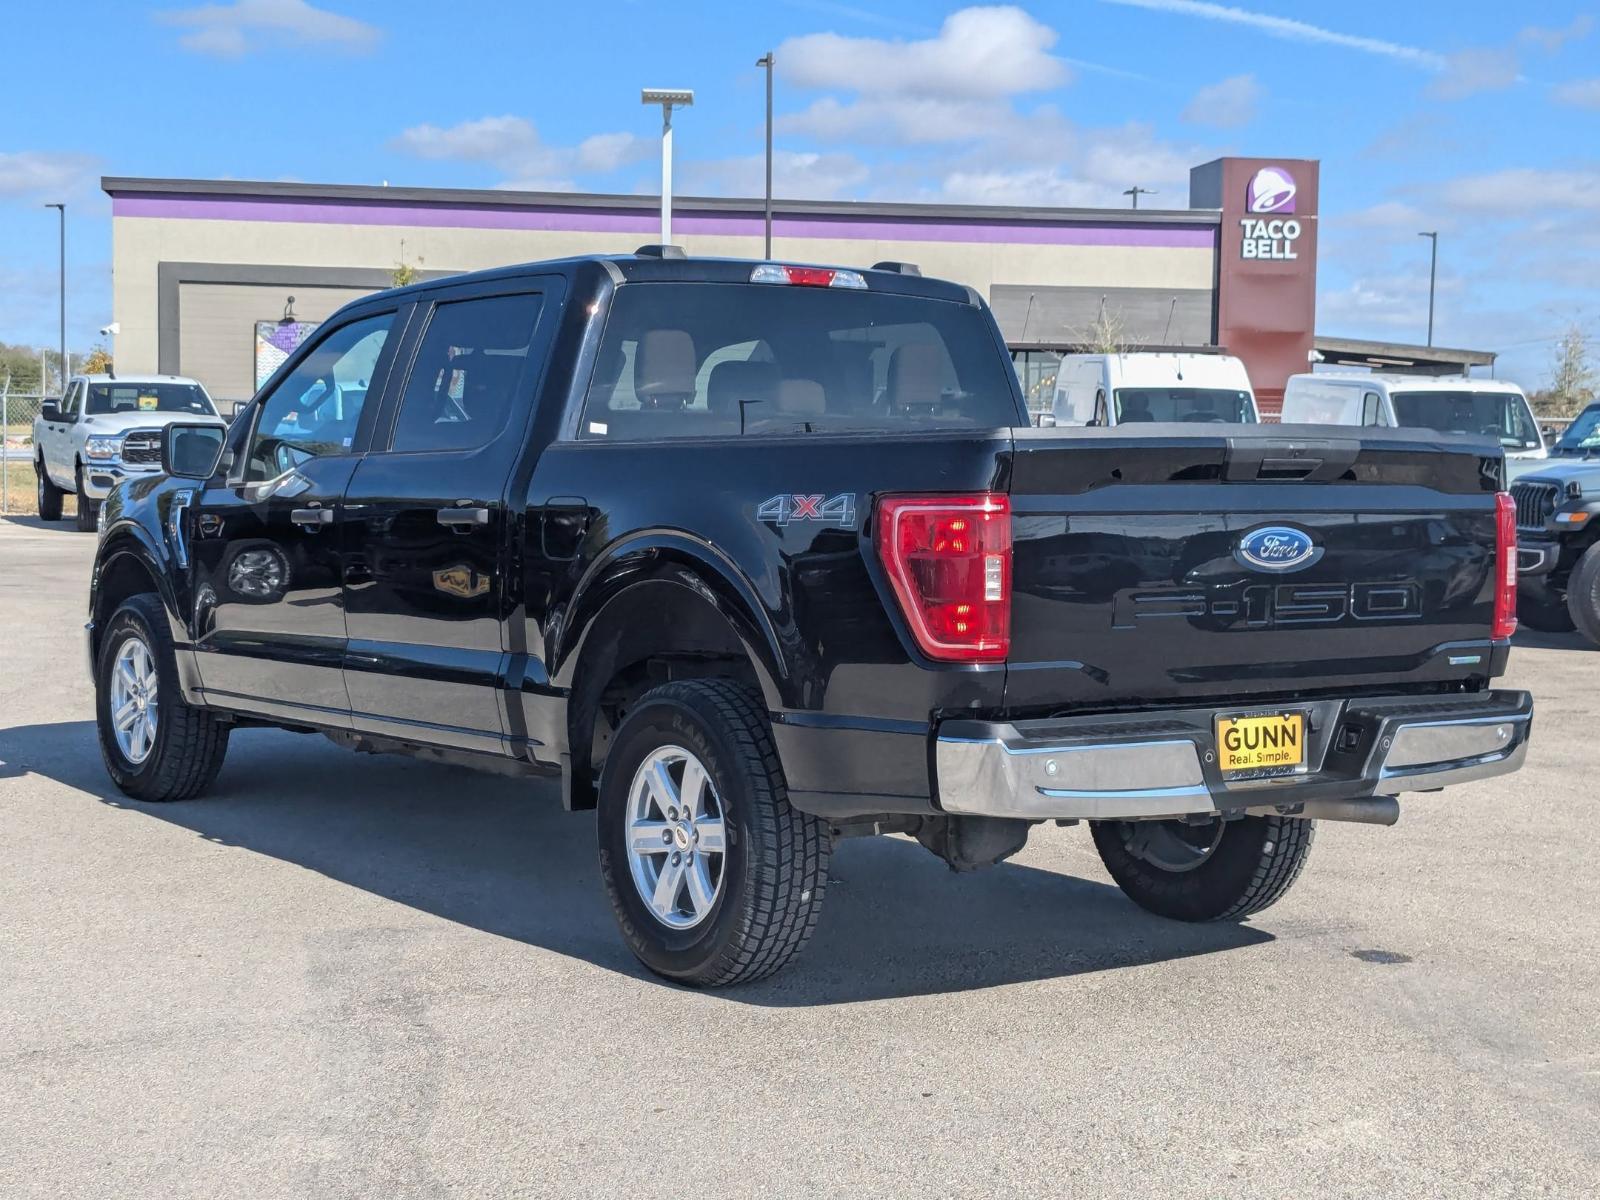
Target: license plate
x,y
1272,743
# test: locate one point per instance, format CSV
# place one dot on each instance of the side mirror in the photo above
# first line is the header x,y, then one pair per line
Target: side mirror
x,y
191,451
1046,420
50,411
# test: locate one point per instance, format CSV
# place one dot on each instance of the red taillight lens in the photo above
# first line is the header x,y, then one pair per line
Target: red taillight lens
x,y
949,558
1505,566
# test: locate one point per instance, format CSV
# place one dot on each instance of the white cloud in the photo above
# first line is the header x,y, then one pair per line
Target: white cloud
x,y
512,145
977,53
1481,69
1524,191
795,175
898,120
43,174
1580,93
1385,215
1227,104
1289,29
1085,169
232,30
1552,40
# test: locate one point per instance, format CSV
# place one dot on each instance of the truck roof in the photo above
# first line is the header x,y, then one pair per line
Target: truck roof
x,y
129,377
653,266
1412,383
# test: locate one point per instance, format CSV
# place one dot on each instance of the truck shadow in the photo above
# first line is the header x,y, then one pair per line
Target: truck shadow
x,y
500,855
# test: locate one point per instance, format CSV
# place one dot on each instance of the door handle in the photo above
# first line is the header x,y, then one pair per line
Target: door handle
x,y
458,518
311,516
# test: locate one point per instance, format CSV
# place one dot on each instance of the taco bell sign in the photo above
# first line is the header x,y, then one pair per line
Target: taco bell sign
x,y
1269,230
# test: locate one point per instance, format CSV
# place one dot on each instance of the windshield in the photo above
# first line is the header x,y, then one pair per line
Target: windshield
x,y
1502,415
1583,435
111,398
1208,405
730,360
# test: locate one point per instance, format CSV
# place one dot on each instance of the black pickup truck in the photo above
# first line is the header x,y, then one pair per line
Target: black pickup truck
x,y
756,557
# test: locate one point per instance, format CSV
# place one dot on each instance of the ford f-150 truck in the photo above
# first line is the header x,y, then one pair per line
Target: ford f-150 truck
x,y
105,429
756,557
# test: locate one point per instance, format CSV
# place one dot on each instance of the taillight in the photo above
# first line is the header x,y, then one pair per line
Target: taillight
x,y
949,559
1505,566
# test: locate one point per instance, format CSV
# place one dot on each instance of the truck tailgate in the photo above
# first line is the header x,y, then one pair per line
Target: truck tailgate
x,y
1137,578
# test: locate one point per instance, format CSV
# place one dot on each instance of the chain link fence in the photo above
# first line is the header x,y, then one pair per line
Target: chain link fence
x,y
17,413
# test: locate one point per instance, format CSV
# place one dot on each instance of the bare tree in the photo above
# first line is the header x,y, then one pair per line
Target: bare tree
x,y
1106,334
1572,377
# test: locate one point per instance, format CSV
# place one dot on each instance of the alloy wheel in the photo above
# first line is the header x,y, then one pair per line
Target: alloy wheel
x,y
677,837
134,702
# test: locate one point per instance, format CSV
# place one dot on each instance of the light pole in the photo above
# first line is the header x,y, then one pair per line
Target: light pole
x,y
65,370
768,62
1136,191
669,99
1433,271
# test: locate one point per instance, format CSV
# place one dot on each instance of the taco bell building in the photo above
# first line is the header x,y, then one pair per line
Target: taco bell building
x,y
204,270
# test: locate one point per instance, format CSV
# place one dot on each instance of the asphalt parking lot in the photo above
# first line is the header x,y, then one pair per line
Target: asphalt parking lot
x,y
360,976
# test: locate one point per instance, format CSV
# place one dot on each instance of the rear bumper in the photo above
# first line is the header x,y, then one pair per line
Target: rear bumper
x,y
1160,766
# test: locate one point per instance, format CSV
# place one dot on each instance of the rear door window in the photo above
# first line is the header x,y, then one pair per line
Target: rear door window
x,y
732,360
466,374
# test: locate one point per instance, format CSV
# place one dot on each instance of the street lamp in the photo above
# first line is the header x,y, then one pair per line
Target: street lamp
x,y
1433,271
1136,191
768,62
66,370
669,99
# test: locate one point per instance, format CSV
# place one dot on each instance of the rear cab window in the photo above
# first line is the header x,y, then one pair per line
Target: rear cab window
x,y
686,360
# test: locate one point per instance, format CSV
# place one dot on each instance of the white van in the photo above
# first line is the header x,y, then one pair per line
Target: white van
x,y
1121,389
1491,407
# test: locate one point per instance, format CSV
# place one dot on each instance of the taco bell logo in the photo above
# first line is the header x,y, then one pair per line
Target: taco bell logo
x,y
1272,191
1265,233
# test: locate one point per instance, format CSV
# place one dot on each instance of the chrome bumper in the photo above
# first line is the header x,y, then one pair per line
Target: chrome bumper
x,y
1139,766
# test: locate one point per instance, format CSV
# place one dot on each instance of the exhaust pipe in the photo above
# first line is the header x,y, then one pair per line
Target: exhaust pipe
x,y
1372,810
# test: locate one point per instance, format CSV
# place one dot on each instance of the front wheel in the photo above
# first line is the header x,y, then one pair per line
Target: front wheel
x,y
1583,594
48,493
155,746
1215,871
714,878
87,509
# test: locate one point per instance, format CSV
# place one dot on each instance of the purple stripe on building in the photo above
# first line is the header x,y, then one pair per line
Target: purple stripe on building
x,y
644,222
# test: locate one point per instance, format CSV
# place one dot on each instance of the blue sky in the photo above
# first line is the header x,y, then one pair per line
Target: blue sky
x,y
1476,119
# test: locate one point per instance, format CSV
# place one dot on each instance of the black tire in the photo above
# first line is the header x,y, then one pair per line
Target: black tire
x,y
189,743
1583,595
88,510
49,494
1256,861
774,868
1542,610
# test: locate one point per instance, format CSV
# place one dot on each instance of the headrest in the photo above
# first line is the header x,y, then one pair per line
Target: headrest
x,y
801,398
732,382
664,367
916,375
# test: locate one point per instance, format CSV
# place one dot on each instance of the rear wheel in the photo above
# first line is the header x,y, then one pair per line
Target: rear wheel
x,y
1542,610
1583,594
1216,871
87,510
155,746
48,493
714,878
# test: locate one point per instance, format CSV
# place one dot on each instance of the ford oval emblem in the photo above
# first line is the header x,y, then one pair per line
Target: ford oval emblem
x,y
1277,548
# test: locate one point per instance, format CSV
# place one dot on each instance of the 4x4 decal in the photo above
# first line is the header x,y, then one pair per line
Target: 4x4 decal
x,y
786,507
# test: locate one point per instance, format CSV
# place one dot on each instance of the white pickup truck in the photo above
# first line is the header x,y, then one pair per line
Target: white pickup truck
x,y
105,429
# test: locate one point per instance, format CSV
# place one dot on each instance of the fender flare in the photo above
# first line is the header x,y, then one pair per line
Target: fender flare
x,y
670,556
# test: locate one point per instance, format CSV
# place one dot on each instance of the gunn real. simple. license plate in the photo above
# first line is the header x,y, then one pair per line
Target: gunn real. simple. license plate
x,y
1267,742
